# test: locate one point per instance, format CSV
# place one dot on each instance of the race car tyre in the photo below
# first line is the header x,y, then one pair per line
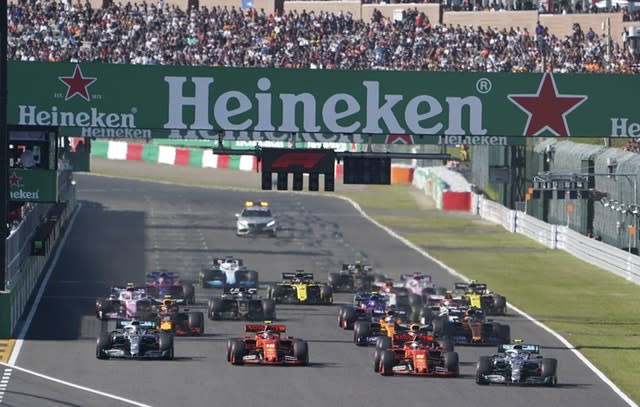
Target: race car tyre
x,y
269,309
441,327
426,316
387,362
414,314
451,362
334,280
376,360
217,307
165,342
379,278
237,352
188,293
441,291
275,293
499,304
415,300
361,332
341,315
503,332
348,318
252,276
196,320
103,344
383,343
326,294
483,368
204,276
446,344
548,368
301,351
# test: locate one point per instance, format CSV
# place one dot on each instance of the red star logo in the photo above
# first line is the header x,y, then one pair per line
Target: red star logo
x,y
77,84
547,110
14,180
399,139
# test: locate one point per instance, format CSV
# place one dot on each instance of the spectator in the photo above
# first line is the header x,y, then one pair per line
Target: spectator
x,y
27,159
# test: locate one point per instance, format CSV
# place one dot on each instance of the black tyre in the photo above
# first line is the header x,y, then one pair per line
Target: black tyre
x,y
377,354
334,280
383,343
548,369
348,318
189,293
340,314
196,320
237,352
379,278
441,291
446,344
301,351
326,294
103,344
361,332
252,276
441,327
483,368
451,362
415,300
426,316
269,309
500,304
503,332
165,342
217,307
387,362
275,293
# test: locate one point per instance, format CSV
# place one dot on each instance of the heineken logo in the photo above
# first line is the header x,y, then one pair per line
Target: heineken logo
x,y
77,84
14,180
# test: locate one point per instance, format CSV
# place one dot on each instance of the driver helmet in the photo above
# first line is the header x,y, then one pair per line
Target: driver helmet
x,y
512,353
265,335
388,286
132,328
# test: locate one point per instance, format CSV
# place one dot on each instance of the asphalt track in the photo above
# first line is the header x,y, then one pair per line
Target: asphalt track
x,y
125,228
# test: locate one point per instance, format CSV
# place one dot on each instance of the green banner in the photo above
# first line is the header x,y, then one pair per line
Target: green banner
x,y
33,185
130,101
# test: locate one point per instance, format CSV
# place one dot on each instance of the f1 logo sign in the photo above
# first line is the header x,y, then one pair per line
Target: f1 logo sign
x,y
298,160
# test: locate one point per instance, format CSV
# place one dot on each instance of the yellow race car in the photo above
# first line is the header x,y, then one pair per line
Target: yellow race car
x,y
300,288
479,296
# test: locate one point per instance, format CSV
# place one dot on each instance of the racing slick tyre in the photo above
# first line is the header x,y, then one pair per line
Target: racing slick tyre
x,y
236,352
483,368
451,362
441,290
252,276
334,281
348,318
415,300
387,362
103,344
503,332
361,331
383,343
377,354
229,344
548,368
326,294
379,278
441,327
301,351
217,307
188,293
268,309
500,305
275,293
196,320
426,316
446,344
102,308
165,342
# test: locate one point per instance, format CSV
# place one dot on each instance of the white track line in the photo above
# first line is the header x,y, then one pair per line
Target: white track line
x,y
565,342
25,328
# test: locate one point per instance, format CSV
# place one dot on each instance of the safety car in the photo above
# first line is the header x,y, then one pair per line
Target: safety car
x,y
256,218
135,339
265,344
238,303
517,363
300,288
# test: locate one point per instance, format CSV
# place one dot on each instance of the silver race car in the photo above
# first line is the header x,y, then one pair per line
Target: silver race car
x,y
134,339
256,218
518,363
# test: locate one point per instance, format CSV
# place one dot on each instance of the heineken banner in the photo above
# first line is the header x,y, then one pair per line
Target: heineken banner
x,y
130,101
33,185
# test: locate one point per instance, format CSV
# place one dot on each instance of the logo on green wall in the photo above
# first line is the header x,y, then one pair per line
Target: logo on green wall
x,y
33,185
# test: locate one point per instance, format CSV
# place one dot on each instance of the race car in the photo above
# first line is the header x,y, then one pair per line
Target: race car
x,y
161,283
300,288
265,344
470,327
135,339
228,272
437,305
241,304
179,322
125,302
419,287
517,363
417,355
366,307
481,297
256,218
354,277
366,333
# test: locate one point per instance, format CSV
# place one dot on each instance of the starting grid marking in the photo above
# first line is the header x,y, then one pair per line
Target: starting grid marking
x,y
6,347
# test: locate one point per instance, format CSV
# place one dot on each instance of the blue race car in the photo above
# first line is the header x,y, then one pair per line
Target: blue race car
x,y
366,307
161,283
228,272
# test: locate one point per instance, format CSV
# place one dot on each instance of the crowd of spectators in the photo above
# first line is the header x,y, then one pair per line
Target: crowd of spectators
x,y
144,33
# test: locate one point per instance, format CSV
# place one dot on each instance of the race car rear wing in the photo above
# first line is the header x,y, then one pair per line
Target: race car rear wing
x,y
347,266
156,274
525,347
461,286
427,277
122,323
301,275
265,327
237,290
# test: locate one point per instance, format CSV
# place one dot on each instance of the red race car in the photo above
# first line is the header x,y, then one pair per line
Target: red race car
x,y
264,344
418,355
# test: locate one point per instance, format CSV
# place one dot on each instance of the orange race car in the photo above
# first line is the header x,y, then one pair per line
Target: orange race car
x,y
265,344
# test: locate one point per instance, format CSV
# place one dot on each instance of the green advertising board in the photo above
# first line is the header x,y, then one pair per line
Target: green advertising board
x,y
382,107
33,185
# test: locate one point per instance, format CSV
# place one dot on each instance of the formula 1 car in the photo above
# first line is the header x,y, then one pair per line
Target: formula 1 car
x,y
354,277
416,355
125,302
135,339
256,218
481,297
300,288
228,272
419,287
470,327
366,307
161,283
265,344
181,323
366,333
517,363
241,304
